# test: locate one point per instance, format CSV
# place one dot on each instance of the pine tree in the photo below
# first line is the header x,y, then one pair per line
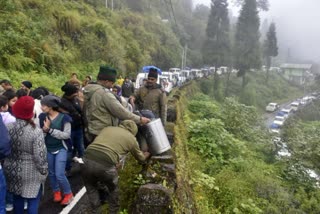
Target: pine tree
x,y
216,49
247,47
270,46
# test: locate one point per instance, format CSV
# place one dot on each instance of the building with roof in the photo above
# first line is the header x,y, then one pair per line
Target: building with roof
x,y
297,73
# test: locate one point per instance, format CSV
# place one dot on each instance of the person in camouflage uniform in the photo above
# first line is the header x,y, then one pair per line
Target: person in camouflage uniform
x,y
151,97
101,107
102,158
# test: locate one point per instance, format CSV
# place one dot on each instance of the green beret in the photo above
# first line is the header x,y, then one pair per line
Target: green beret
x,y
107,73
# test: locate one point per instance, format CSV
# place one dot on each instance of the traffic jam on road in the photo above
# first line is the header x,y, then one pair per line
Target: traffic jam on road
x,y
284,113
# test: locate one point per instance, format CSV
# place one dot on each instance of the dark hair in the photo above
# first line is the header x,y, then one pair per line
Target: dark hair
x,y
10,94
46,91
5,82
21,92
38,93
3,101
31,122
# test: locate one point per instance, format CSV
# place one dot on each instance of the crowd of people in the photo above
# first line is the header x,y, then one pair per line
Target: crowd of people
x,y
93,124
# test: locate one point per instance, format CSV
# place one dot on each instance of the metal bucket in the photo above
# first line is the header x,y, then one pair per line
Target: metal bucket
x,y
156,137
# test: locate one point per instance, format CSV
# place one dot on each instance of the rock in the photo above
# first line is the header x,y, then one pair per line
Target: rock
x,y
153,198
170,138
162,159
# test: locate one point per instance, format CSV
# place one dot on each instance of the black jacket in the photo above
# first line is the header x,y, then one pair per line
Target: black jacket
x,y
73,109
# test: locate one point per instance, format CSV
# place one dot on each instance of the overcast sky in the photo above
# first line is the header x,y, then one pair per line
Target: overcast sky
x,y
297,26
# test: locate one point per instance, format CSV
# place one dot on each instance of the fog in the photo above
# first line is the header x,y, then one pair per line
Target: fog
x,y
297,28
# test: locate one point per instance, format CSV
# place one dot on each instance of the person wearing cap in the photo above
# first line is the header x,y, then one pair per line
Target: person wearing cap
x,y
71,105
101,160
26,167
57,129
101,108
26,85
151,97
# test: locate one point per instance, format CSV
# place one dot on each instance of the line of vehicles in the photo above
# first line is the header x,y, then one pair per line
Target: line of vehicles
x,y
285,112
177,77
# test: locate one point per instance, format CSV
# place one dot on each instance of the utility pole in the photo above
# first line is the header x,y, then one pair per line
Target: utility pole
x,y
185,55
182,59
106,3
112,5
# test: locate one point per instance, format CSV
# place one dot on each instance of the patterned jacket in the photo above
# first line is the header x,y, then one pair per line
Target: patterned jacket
x,y
26,168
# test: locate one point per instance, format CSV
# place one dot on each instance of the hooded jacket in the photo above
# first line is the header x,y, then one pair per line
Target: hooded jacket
x,y
102,109
115,142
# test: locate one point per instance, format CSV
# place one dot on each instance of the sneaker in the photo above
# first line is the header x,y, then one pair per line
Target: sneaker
x,y
75,159
9,207
57,197
67,199
25,205
80,161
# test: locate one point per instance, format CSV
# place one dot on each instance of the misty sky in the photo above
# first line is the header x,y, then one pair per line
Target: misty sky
x,y
297,27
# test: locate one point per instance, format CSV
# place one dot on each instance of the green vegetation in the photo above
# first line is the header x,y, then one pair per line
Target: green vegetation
x,y
256,93
247,45
53,39
234,164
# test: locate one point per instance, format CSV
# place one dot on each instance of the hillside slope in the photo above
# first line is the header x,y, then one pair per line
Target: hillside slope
x,y
40,39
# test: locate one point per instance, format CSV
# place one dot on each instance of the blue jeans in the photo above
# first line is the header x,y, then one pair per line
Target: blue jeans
x,y
77,141
9,198
57,164
3,190
33,203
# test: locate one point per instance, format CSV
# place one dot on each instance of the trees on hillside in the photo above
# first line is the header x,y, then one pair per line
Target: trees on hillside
x,y
247,47
270,46
216,48
261,4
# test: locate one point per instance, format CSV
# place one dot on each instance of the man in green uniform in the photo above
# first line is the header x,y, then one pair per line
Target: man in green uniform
x,y
101,160
151,97
101,107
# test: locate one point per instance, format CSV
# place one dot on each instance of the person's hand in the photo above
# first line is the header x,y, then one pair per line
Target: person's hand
x,y
144,120
46,125
147,154
132,100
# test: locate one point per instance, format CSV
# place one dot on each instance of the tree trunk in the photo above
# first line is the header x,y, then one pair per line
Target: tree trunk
x,y
227,83
243,80
268,68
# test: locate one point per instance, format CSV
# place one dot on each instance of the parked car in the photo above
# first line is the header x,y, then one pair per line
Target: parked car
x,y
274,128
285,112
271,107
294,106
279,120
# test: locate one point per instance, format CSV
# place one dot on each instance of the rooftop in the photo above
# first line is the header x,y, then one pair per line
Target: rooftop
x,y
297,66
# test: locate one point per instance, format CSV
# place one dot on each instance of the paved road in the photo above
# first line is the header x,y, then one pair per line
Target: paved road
x,y
47,206
269,116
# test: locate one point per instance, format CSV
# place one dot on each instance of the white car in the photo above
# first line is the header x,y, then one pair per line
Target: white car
x,y
271,107
278,120
294,106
